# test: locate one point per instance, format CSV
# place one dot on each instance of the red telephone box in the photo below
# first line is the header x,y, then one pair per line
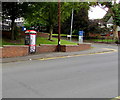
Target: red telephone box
x,y
30,39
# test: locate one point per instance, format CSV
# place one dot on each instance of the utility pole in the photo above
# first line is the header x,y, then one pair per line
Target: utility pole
x,y
59,28
71,24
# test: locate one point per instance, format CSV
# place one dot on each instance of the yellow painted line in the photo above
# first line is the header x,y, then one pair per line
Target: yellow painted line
x,y
51,58
110,49
117,97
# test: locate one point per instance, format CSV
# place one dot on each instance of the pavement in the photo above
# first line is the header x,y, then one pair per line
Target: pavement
x,y
96,49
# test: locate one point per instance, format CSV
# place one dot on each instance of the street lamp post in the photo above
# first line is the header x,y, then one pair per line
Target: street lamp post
x,y
59,31
71,24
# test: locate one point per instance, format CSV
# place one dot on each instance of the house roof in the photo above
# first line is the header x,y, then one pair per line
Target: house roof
x,y
110,21
107,16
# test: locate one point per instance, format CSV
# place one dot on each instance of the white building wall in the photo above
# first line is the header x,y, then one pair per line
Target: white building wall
x,y
118,28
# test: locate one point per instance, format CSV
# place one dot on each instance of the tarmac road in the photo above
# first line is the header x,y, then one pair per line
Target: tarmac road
x,y
89,76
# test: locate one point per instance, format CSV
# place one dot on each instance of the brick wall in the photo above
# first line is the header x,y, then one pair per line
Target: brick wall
x,y
73,48
46,48
43,34
1,52
14,51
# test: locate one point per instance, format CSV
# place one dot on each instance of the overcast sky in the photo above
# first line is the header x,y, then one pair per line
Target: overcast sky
x,y
96,12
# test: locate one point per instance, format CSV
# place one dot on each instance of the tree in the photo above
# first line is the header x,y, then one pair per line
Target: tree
x,y
114,11
47,13
97,26
80,20
13,10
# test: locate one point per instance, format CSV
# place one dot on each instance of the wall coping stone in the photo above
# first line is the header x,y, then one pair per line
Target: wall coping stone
x,y
15,46
84,43
41,45
47,44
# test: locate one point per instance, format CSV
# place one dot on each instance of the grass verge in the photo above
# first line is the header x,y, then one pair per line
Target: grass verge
x,y
100,40
40,40
63,35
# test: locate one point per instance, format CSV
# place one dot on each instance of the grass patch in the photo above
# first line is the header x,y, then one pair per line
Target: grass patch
x,y
100,40
60,35
0,42
63,35
40,40
10,42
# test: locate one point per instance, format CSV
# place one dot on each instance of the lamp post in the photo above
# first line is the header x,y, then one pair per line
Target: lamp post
x,y
71,24
59,30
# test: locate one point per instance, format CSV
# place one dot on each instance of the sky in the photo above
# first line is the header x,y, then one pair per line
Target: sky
x,y
96,12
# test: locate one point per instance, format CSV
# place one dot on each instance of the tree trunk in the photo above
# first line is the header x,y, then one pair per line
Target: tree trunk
x,y
12,29
50,33
115,32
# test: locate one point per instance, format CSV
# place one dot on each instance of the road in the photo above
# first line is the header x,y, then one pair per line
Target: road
x,y
89,76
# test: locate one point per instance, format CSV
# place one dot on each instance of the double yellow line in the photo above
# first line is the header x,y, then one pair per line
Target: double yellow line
x,y
58,57
116,98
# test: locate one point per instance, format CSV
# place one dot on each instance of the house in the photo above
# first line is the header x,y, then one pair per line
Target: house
x,y
19,21
6,23
109,23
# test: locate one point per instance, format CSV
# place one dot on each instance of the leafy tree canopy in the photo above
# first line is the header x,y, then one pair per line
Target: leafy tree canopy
x,y
13,10
114,11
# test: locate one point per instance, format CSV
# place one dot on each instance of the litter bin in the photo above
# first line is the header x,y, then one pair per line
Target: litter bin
x,y
30,39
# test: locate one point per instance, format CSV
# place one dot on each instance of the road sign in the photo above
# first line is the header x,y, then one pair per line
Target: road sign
x,y
81,33
80,39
